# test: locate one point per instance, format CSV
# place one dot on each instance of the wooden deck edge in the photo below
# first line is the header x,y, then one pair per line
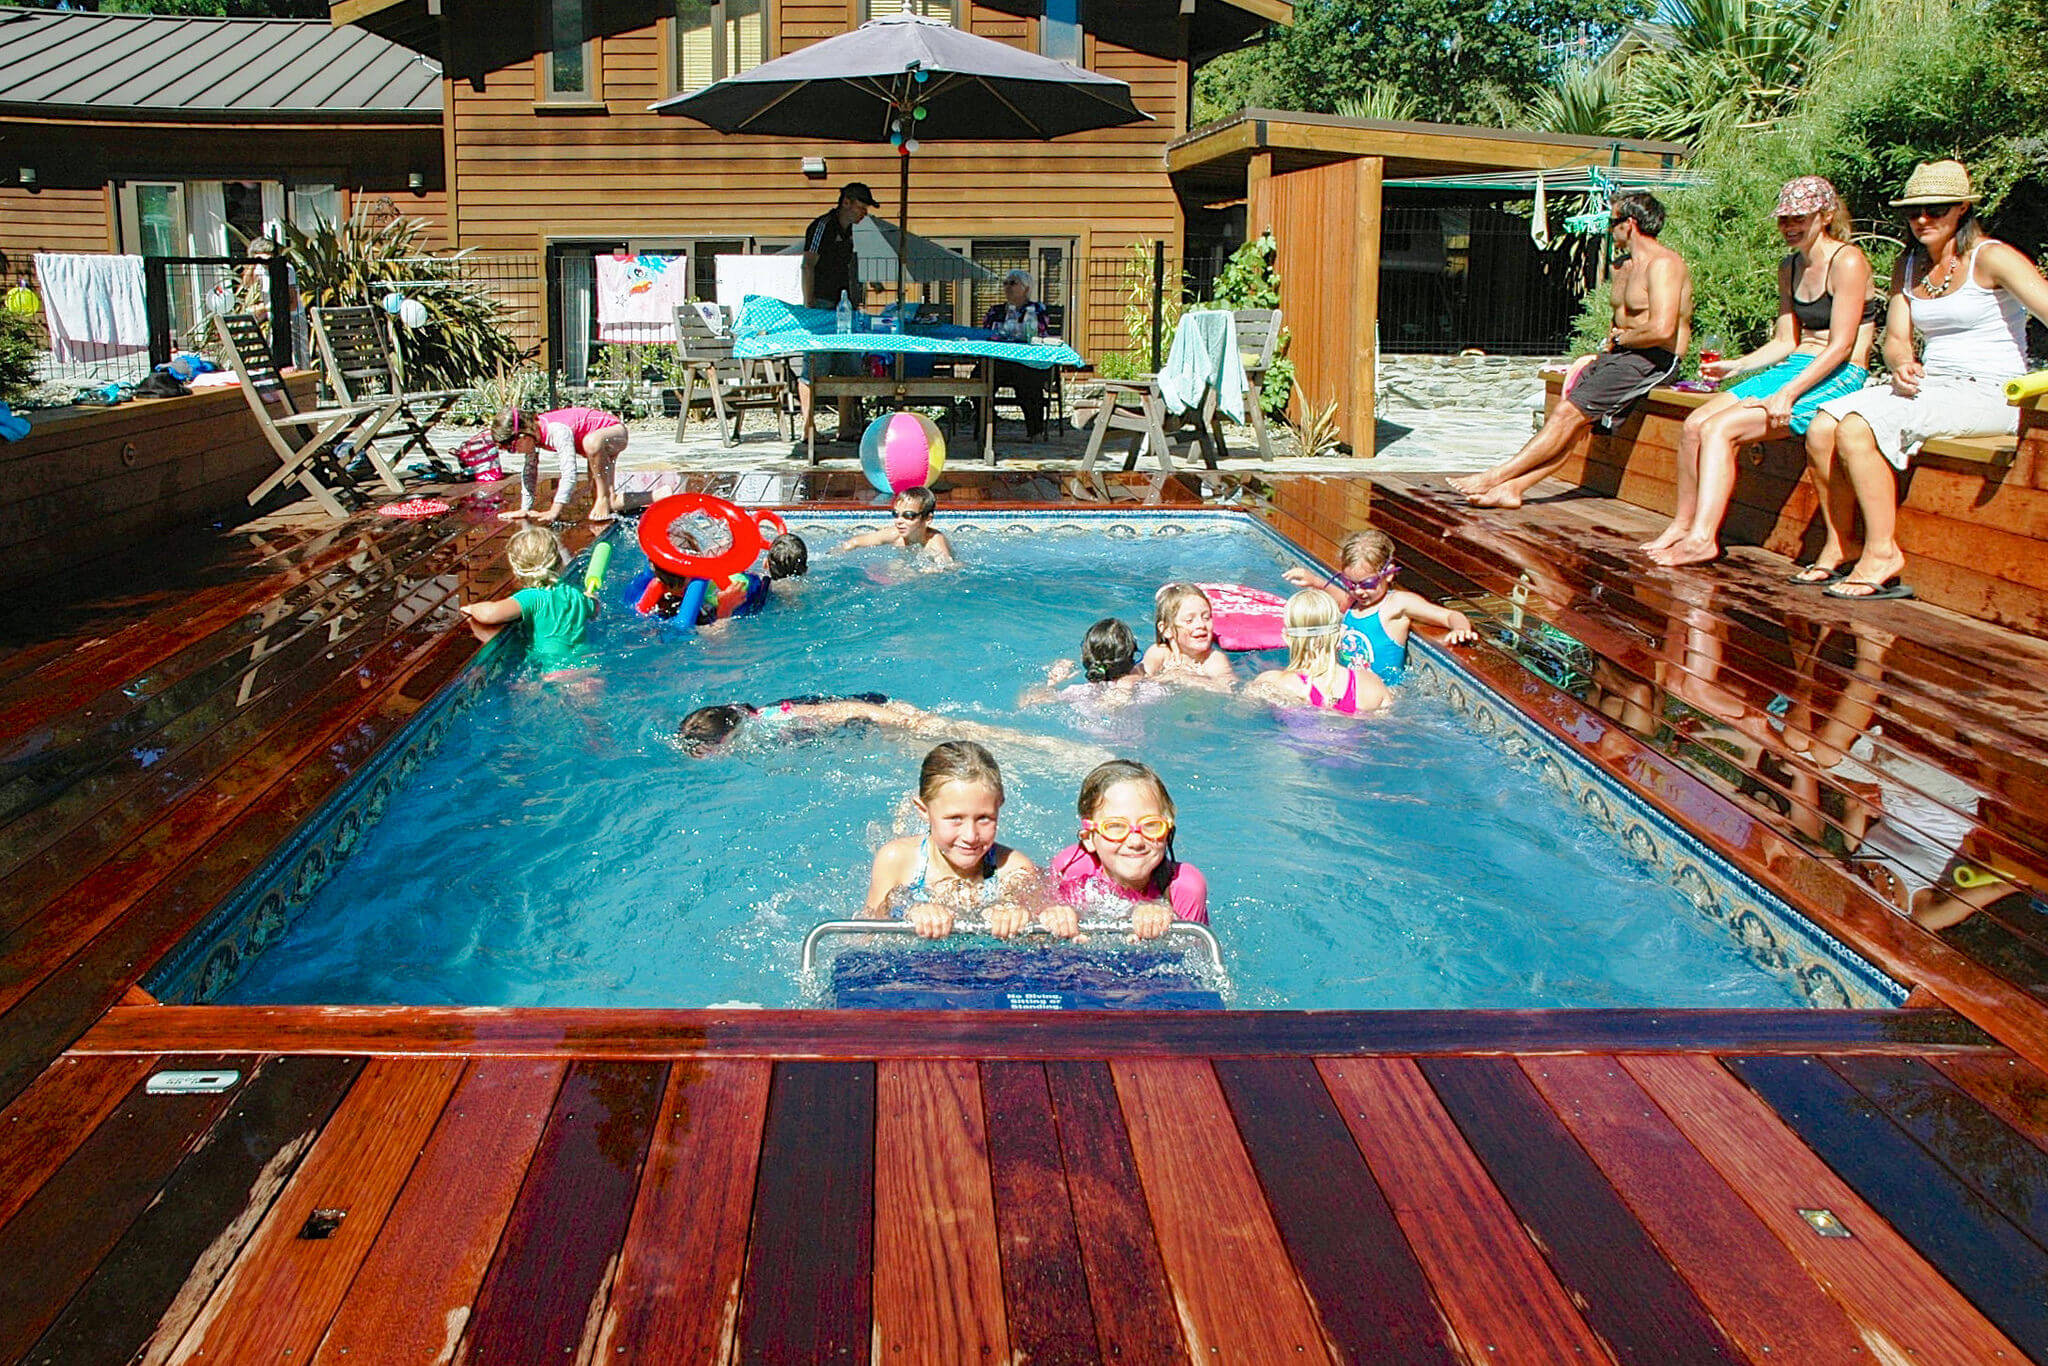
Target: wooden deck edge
x,y
657,1034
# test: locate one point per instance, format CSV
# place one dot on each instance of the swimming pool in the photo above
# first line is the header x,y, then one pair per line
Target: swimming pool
x,y
528,843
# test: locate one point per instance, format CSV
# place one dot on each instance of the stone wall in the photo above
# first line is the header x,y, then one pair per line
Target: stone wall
x,y
1462,381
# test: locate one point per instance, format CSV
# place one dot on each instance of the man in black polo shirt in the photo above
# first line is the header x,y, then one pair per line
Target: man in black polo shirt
x,y
829,271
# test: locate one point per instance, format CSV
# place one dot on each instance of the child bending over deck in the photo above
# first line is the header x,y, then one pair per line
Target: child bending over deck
x,y
956,865
1378,616
597,436
557,612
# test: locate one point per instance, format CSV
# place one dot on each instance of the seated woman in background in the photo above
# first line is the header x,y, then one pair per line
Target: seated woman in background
x,y
1827,319
1020,318
1969,296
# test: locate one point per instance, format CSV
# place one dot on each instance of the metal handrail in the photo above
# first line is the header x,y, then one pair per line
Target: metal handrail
x,y
1180,929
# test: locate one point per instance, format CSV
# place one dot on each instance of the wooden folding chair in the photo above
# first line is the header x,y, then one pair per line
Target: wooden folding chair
x,y
1258,333
731,389
355,350
1138,408
303,460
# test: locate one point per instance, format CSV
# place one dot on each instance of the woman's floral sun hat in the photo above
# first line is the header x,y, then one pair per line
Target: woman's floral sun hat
x,y
1807,194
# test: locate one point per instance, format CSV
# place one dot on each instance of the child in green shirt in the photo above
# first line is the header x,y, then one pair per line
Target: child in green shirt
x,y
557,612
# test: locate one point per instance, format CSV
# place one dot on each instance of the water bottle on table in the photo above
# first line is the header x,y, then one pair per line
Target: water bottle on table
x,y
845,313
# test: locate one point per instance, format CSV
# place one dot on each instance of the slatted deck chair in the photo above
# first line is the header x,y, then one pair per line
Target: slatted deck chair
x,y
308,452
355,350
1258,333
730,386
1137,410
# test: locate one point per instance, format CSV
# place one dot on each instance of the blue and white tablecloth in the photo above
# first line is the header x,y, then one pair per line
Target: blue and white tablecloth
x,y
769,327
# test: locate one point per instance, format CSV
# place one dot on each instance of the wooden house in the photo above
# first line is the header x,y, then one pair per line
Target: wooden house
x,y
180,136
551,147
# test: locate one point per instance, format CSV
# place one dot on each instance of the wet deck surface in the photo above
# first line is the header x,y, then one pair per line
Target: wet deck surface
x,y
531,1185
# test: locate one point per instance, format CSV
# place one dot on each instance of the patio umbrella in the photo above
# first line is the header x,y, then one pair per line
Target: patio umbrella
x,y
877,241
907,80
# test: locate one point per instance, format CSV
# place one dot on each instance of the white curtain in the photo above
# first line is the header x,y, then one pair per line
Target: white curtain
x,y
206,218
273,210
579,304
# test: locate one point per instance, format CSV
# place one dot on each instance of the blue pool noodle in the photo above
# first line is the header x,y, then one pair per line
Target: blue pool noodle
x,y
693,602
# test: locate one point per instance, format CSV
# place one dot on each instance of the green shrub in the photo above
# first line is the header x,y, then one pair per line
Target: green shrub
x,y
21,341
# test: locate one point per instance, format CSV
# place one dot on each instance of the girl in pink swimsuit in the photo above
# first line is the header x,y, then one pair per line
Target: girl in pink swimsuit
x,y
1123,860
592,433
1313,674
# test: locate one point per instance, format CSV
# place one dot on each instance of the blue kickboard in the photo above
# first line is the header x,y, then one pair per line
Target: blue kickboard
x,y
1015,979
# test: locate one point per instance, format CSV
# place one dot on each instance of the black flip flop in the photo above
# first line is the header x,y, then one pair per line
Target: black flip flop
x,y
1802,577
1889,590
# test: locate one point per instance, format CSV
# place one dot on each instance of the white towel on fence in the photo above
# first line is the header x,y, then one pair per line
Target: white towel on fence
x,y
637,297
93,304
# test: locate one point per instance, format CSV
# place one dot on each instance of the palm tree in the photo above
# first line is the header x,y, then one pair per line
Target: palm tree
x,y
1581,102
1731,64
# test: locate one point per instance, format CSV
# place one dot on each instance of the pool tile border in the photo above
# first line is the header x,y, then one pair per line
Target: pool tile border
x,y
1772,934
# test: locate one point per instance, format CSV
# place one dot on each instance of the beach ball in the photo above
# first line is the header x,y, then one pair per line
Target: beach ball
x,y
900,451
413,313
22,302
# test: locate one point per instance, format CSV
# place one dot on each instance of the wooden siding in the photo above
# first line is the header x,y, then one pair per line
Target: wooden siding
x,y
523,176
49,220
1326,231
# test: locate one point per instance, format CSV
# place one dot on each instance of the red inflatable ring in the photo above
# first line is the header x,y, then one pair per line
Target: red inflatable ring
x,y
766,521
654,537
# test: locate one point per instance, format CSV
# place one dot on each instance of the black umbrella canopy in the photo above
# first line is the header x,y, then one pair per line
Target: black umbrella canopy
x,y
916,78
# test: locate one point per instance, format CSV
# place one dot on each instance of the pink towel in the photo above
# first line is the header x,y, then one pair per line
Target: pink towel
x,y
637,297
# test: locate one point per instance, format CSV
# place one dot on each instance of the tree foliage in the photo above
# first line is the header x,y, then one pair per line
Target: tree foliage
x,y
1457,60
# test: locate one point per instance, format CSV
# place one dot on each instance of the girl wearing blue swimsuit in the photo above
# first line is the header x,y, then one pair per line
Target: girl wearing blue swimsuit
x,y
956,865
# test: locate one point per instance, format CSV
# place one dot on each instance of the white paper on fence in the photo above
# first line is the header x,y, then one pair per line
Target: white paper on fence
x,y
93,305
637,297
778,277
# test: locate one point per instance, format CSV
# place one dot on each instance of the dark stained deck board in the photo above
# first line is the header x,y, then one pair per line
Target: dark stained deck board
x,y
411,1298
144,917
677,1293
1992,1157
1045,1285
2002,1271
1136,1320
628,1034
39,1130
62,1232
277,1298
1367,1287
1752,1285
544,1296
2015,1090
1895,1297
938,1281
1239,1298
1501,1297
147,1289
807,1291
1628,1289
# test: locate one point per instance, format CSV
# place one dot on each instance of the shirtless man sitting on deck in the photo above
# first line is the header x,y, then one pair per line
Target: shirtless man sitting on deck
x,y
1652,330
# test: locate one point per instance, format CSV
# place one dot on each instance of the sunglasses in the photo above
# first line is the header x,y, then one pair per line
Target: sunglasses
x,y
1931,210
1116,829
1371,581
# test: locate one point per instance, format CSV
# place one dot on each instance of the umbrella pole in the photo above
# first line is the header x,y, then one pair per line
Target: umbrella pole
x,y
902,244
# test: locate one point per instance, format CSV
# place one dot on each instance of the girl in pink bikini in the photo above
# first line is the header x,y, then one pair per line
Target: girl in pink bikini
x,y
1314,674
592,433
1124,859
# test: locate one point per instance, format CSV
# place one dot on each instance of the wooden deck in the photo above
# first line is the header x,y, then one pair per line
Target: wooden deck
x,y
504,1186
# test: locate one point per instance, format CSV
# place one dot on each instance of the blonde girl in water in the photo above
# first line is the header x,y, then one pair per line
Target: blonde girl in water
x,y
1184,623
956,865
1314,673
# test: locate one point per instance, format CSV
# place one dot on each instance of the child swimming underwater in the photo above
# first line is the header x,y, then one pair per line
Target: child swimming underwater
x,y
956,865
708,729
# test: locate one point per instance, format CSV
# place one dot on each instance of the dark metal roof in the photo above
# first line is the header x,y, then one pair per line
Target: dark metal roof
x,y
145,65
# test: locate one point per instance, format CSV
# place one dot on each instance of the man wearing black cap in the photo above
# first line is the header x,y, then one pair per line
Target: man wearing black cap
x,y
829,271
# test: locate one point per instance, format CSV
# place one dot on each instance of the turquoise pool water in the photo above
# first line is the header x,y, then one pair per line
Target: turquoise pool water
x,y
556,849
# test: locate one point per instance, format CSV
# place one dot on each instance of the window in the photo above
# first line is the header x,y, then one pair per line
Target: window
x,y
717,38
1059,33
313,205
948,10
568,69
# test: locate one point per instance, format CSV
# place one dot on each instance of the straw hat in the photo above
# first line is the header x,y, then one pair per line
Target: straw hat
x,y
1938,182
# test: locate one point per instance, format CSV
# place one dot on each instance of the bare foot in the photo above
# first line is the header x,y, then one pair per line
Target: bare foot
x,y
1669,536
601,514
1469,484
1499,496
1687,550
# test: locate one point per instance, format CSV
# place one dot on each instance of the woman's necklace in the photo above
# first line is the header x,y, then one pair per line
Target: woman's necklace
x,y
1948,279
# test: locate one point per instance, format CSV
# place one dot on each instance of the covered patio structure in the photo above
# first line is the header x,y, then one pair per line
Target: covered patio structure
x,y
1321,184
